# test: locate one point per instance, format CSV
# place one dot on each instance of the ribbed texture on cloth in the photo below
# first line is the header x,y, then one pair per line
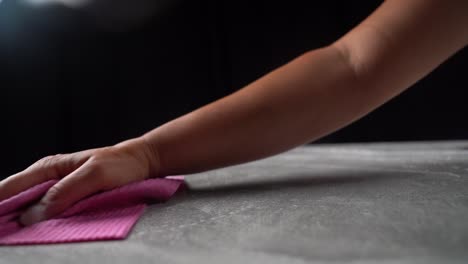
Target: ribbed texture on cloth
x,y
104,216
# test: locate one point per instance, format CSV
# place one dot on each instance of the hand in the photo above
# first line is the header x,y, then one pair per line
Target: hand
x,y
81,174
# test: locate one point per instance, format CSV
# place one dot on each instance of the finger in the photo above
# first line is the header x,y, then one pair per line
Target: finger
x,y
41,171
86,180
48,168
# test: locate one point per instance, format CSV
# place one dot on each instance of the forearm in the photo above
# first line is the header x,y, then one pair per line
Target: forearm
x,y
317,93
311,96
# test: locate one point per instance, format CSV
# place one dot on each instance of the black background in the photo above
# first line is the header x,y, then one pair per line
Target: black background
x,y
71,80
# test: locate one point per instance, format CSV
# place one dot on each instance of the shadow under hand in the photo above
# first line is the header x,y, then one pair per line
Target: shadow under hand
x,y
235,183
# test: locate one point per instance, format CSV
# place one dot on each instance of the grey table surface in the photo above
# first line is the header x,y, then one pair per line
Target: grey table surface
x,y
343,203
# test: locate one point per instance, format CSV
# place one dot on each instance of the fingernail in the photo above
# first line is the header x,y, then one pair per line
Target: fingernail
x,y
33,215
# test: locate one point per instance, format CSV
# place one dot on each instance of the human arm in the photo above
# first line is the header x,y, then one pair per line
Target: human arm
x,y
313,95
318,92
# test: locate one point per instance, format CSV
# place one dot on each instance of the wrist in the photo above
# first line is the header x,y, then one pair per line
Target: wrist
x,y
142,149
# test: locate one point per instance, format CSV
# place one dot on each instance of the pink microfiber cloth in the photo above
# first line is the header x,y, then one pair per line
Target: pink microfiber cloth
x,y
104,216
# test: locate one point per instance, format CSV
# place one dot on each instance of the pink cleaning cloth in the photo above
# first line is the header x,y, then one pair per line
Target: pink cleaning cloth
x,y
104,216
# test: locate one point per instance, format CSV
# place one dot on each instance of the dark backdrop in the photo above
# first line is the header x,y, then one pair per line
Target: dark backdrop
x,y
71,81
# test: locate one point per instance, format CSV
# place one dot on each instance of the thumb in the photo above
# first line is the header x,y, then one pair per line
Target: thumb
x,y
76,186
50,205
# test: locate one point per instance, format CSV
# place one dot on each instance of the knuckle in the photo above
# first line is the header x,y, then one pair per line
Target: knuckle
x,y
49,160
49,166
45,160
